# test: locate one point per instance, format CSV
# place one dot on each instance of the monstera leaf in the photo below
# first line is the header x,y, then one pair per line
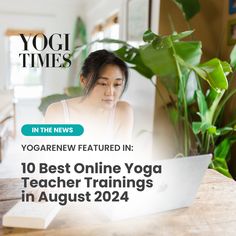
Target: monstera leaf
x,y
46,101
189,7
132,56
160,56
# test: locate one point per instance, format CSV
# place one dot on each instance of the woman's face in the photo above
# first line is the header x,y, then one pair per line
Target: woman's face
x,y
108,87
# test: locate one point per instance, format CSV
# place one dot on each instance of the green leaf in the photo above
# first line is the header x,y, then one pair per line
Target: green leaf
x,y
162,61
211,96
222,150
205,126
196,127
149,36
74,91
225,130
174,115
212,113
157,43
127,54
46,101
190,52
189,8
131,55
233,57
220,162
201,103
202,127
206,115
226,67
223,171
188,55
146,72
222,155
212,130
171,83
214,72
181,35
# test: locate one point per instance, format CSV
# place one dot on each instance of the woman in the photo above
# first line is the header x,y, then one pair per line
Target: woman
x,y
104,78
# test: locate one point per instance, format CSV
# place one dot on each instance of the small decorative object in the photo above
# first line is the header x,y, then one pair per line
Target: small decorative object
x,y
138,19
232,32
232,6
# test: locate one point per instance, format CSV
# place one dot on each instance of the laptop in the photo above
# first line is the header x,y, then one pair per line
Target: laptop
x,y
176,187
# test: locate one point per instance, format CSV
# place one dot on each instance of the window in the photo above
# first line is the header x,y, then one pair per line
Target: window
x,y
97,34
26,81
109,29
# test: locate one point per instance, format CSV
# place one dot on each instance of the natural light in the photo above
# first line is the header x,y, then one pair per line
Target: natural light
x,y
26,82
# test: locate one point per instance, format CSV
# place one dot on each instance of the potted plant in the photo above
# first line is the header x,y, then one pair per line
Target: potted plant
x,y
175,62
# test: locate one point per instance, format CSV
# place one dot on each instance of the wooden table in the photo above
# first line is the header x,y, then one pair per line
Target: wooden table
x,y
213,213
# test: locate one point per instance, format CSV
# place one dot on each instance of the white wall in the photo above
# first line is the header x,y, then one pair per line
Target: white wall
x,y
48,15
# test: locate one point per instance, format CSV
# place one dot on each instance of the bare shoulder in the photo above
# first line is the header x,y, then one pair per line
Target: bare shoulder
x,y
124,106
54,112
54,107
125,121
74,100
124,109
58,107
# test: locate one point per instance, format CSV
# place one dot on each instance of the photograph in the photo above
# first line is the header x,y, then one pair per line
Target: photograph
x,y
117,118
232,6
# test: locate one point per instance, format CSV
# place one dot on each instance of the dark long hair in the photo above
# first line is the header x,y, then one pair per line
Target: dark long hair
x,y
95,62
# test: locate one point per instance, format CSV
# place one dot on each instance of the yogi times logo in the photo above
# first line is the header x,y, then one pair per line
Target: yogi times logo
x,y
42,51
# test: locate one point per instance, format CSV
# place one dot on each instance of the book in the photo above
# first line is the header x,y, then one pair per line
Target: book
x,y
32,215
